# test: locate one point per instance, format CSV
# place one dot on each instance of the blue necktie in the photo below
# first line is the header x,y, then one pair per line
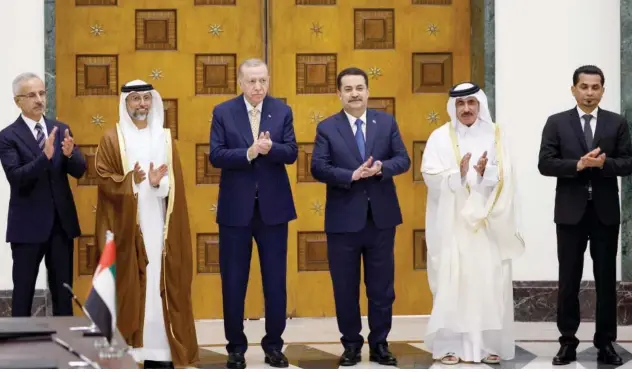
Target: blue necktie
x,y
40,136
359,137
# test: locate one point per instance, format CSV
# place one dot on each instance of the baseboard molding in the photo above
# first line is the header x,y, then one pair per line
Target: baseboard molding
x,y
42,303
536,301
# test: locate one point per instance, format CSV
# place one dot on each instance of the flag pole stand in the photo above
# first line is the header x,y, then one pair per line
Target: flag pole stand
x,y
108,350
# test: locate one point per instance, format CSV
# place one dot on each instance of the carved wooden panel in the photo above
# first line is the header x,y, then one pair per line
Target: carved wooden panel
x,y
420,250
432,2
205,173
90,177
88,257
315,2
304,163
97,75
374,29
312,251
386,104
215,74
418,152
432,72
156,30
215,2
171,116
315,73
95,2
207,253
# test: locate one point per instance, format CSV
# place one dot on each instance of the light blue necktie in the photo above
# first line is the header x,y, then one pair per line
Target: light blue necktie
x,y
359,137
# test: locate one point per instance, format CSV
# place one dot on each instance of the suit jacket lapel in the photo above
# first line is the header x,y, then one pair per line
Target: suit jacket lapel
x,y
264,123
24,133
599,129
371,131
240,116
347,134
576,125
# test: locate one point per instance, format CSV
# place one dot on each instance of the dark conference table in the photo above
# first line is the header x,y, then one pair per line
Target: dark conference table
x,y
45,349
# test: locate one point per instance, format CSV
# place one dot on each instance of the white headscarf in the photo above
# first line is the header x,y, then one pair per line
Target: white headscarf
x,y
155,123
483,112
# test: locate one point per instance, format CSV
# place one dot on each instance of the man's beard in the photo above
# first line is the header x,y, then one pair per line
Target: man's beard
x,y
138,116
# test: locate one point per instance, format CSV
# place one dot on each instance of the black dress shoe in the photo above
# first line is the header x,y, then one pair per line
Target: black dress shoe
x,y
236,360
350,357
275,358
566,355
380,354
607,355
154,364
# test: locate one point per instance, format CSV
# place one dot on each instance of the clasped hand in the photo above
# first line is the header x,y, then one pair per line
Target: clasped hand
x,y
155,175
367,169
261,145
592,160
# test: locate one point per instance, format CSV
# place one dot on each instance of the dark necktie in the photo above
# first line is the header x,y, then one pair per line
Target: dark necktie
x,y
359,137
588,134
41,140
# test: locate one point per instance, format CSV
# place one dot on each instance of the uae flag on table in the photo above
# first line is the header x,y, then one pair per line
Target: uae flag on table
x,y
101,302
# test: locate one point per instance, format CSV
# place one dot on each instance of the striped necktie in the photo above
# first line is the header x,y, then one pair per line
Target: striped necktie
x,y
41,140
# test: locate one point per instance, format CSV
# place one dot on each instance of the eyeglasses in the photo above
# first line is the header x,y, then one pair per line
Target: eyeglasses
x,y
33,95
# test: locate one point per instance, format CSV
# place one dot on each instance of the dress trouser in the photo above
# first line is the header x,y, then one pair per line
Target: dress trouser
x,y
571,245
57,252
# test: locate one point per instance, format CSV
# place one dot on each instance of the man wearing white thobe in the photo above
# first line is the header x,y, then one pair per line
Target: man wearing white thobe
x,y
472,233
148,147
142,201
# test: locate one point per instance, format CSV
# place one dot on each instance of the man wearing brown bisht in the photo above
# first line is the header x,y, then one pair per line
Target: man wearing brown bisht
x,y
142,201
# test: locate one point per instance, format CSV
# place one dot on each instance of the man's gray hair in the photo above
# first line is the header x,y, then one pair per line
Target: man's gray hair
x,y
17,82
251,62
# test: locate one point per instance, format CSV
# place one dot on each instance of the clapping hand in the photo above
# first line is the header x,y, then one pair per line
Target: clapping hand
x,y
68,144
155,175
367,169
261,145
481,164
139,174
592,160
264,143
465,164
49,145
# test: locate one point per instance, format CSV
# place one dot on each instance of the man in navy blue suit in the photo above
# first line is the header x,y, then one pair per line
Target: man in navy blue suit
x,y
252,139
357,153
37,154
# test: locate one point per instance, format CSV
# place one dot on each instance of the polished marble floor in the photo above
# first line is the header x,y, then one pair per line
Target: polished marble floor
x,y
313,343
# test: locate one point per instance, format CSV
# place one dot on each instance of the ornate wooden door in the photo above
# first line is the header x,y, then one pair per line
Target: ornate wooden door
x,y
413,50
189,50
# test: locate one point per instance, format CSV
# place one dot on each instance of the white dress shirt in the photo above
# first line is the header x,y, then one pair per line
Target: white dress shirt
x,y
352,119
593,120
31,124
